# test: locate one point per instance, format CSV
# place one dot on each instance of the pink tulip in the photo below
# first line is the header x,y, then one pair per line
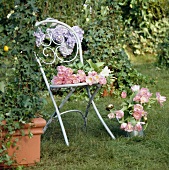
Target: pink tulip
x,y
123,126
111,115
160,98
119,114
137,114
138,127
129,127
138,107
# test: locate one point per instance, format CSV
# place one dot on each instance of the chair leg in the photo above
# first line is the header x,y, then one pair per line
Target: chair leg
x,y
62,127
60,119
49,122
96,110
101,119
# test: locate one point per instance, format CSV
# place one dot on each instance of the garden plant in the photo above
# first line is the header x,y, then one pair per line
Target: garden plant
x,y
20,98
110,29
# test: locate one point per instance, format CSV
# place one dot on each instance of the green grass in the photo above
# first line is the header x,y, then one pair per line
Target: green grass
x,y
92,148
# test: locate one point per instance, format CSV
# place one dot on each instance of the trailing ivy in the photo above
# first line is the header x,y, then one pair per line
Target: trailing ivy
x,y
20,98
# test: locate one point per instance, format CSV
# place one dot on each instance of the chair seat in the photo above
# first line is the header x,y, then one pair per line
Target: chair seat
x,y
70,85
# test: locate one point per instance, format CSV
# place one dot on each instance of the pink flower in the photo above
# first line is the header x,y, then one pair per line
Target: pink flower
x,y
61,68
67,81
138,111
92,73
137,114
102,80
123,94
111,115
129,127
68,71
144,99
136,98
89,80
144,91
142,96
75,79
138,127
138,107
123,126
57,80
81,75
160,98
119,114
135,88
96,78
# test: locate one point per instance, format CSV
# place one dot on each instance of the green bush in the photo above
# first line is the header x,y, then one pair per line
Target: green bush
x,y
104,40
146,23
163,52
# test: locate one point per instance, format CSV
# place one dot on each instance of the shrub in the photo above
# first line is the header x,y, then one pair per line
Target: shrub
x,y
145,24
163,52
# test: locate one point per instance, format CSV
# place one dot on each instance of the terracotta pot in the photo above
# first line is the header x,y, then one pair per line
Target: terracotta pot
x,y
27,150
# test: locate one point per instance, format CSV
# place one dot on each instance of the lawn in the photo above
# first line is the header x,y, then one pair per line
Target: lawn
x,y
92,148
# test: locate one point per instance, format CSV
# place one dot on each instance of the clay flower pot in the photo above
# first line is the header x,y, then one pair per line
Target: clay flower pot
x,y
27,150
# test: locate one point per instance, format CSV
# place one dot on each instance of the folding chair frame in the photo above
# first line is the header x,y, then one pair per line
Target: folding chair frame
x,y
71,87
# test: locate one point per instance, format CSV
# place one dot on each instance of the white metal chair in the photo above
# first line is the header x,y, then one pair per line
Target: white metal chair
x,y
52,38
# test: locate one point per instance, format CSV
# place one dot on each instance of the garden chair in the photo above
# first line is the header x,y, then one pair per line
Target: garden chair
x,y
55,38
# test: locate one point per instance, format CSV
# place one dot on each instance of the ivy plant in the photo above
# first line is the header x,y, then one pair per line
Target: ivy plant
x,y
20,97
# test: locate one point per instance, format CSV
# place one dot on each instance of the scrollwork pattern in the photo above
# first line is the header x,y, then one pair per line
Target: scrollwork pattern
x,y
58,40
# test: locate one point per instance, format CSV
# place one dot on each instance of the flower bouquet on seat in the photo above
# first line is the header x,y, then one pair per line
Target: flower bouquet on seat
x,y
133,114
96,74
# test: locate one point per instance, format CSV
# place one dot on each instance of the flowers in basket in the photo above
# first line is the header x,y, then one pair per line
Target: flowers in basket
x,y
133,114
66,75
